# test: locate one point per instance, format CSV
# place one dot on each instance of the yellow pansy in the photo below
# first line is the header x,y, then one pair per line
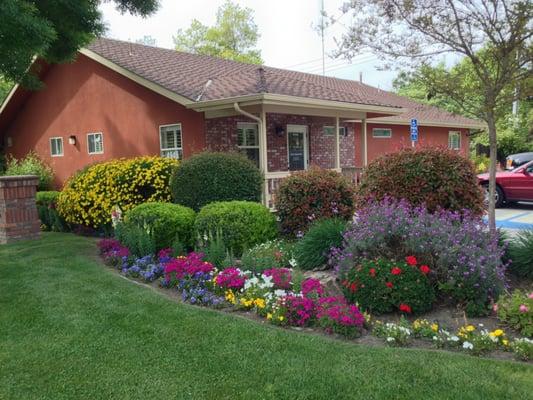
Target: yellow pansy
x,y
434,327
470,328
281,317
499,332
259,303
269,315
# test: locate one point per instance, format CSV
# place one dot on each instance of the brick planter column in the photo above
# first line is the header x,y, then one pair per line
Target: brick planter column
x,y
18,212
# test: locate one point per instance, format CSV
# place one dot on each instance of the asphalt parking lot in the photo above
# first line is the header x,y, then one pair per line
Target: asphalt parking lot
x,y
517,217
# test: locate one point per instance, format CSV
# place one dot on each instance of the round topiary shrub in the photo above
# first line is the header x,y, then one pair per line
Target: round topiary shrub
x,y
90,196
166,222
208,177
436,177
240,224
311,195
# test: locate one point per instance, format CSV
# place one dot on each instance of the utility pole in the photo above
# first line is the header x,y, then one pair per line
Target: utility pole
x,y
322,27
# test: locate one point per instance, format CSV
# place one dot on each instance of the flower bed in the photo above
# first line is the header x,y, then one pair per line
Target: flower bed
x,y
272,296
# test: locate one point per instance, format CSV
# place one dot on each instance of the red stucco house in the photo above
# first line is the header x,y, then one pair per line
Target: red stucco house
x,y
120,99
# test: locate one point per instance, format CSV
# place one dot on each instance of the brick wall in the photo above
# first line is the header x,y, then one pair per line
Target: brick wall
x,y
221,135
18,212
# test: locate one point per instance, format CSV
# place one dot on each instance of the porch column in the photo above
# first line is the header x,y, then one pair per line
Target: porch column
x,y
263,155
337,145
365,142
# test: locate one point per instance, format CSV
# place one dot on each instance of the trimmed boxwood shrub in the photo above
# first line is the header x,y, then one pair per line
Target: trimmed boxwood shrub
x,y
311,195
436,177
208,177
90,196
313,249
46,207
242,224
166,222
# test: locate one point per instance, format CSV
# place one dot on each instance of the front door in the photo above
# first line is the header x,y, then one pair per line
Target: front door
x,y
298,150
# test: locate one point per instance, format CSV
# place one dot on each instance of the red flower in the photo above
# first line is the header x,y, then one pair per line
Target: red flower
x,y
405,308
353,287
424,269
396,271
389,284
411,260
372,272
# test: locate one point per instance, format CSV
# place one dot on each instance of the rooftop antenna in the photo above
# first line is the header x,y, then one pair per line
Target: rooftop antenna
x,y
360,76
322,27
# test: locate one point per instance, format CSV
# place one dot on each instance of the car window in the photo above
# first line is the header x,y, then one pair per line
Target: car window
x,y
529,169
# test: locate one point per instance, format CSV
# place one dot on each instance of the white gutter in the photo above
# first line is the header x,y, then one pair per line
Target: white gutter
x,y
246,113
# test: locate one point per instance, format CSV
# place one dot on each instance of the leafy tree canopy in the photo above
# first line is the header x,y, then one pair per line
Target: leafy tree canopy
x,y
52,30
234,36
5,87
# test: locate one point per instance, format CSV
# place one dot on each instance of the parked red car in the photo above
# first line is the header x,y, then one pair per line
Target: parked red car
x,y
511,186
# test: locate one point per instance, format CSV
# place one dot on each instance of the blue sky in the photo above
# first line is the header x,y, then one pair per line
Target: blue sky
x,y
288,39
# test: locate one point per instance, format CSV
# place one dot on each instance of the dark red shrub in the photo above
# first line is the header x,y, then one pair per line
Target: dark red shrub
x,y
435,176
311,195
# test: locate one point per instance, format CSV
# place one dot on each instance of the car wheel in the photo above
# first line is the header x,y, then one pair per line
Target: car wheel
x,y
499,197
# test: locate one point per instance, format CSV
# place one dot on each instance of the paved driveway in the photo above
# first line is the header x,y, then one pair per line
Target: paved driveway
x,y
519,216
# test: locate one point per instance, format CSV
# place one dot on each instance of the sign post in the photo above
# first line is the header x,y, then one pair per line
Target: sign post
x,y
414,132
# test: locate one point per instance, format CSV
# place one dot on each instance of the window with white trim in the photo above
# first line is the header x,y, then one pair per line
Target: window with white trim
x,y
170,141
248,140
56,147
454,140
330,130
382,133
95,143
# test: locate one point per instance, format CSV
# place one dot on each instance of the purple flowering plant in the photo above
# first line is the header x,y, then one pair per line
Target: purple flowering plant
x,y
464,255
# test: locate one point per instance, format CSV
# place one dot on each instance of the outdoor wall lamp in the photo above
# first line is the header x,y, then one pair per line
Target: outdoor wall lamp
x,y
279,131
72,139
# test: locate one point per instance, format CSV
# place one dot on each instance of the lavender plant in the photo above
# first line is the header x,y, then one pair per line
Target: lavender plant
x,y
465,256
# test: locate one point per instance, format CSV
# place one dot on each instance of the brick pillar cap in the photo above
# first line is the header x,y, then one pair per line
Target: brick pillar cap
x,y
18,177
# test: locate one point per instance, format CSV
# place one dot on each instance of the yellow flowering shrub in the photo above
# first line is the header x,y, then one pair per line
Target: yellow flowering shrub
x,y
89,197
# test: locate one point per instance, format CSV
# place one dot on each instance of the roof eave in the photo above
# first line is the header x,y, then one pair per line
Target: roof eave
x,y
473,125
294,101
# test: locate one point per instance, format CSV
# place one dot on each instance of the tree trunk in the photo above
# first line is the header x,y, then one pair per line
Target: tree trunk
x,y
492,169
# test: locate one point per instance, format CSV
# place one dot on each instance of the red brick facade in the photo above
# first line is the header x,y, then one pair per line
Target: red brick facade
x,y
18,212
221,135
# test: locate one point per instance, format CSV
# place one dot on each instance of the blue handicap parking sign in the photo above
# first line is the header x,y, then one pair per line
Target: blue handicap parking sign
x,y
414,130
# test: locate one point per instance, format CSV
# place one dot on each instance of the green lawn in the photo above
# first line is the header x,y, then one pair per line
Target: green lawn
x,y
72,329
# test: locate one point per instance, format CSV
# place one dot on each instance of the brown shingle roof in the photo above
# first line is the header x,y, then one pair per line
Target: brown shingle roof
x,y
187,74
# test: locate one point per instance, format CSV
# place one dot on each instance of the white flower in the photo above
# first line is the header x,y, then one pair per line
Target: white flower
x,y
390,339
293,263
454,338
279,293
435,338
468,346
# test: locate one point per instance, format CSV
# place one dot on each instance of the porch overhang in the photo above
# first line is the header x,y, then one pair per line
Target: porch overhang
x,y
277,103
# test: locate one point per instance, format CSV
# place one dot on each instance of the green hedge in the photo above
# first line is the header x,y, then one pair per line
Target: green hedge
x,y
46,207
208,177
242,224
166,223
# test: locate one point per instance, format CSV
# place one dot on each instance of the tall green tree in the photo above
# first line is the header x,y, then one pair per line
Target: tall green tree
x,y
52,30
5,87
234,36
417,31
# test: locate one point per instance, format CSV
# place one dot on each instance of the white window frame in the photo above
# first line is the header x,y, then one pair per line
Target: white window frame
x,y
381,129
342,130
450,143
243,125
179,149
88,147
62,147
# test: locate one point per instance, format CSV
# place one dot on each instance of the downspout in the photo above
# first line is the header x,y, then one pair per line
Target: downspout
x,y
262,146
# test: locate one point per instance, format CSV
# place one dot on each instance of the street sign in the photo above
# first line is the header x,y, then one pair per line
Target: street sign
x,y
414,130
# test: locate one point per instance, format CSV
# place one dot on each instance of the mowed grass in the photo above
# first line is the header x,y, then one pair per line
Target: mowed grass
x,y
72,329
